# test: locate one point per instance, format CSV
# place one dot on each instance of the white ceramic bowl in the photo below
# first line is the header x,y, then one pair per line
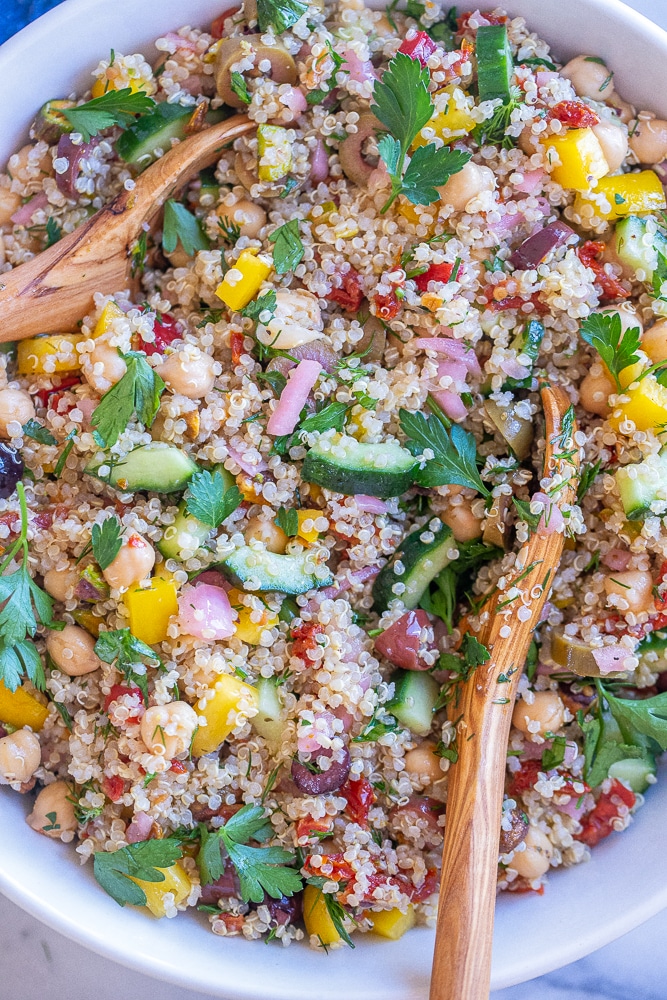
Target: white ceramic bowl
x,y
582,909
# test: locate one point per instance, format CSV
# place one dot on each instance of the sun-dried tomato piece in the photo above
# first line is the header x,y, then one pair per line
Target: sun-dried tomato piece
x,y
349,295
608,286
574,114
436,272
360,797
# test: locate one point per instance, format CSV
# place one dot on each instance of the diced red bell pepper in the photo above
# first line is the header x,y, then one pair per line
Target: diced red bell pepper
x,y
609,287
309,827
360,797
574,114
420,47
113,787
436,272
166,330
236,342
66,382
218,23
598,824
350,294
116,692
303,638
387,306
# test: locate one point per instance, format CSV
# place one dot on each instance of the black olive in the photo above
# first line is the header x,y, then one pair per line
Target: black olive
x,y
11,470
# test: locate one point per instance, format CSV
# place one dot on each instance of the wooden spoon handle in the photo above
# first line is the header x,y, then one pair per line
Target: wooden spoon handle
x,y
54,290
462,960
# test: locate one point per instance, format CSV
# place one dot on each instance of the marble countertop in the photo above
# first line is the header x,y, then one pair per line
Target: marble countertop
x,y
36,963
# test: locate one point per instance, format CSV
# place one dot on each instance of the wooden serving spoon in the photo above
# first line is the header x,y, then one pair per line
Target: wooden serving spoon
x,y
464,935
54,290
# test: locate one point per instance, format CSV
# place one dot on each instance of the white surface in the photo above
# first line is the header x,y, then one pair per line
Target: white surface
x,y
583,909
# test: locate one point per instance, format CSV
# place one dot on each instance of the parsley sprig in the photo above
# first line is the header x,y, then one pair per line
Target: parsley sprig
x,y
138,392
115,870
403,104
181,226
288,250
643,732
618,350
209,501
454,452
279,14
116,107
123,648
106,540
24,605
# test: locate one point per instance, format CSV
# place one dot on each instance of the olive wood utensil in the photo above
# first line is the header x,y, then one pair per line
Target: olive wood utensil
x,y
464,935
54,290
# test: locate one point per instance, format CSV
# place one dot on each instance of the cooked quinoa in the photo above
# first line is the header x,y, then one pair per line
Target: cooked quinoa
x,y
180,690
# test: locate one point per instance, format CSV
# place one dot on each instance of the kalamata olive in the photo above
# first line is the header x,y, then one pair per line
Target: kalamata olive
x,y
317,783
227,885
286,910
11,470
510,839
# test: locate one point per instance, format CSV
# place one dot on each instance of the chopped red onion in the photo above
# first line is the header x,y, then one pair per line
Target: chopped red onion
x,y
293,398
454,350
533,250
373,505
205,612
23,215
401,642
610,659
617,559
139,828
552,519
319,163
73,154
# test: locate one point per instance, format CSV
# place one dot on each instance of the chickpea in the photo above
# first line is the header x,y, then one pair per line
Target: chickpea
x,y
535,860
528,142
250,218
20,756
423,763
654,341
104,367
465,526
623,111
467,184
594,393
10,201
16,407
634,588
267,532
589,77
133,563
60,583
53,811
648,140
546,714
178,257
189,372
167,729
614,141
73,651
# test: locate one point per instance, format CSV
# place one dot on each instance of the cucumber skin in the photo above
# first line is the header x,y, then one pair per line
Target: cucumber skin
x,y
168,546
492,46
383,485
237,571
637,494
140,470
165,122
633,771
411,553
414,699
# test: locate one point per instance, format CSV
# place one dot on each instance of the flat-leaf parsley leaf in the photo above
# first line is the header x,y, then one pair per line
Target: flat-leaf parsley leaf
x,y
128,652
454,453
138,392
209,501
288,250
106,541
618,350
279,14
182,226
116,107
115,870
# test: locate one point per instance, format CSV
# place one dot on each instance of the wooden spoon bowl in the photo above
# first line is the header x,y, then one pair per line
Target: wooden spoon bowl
x,y
464,936
54,290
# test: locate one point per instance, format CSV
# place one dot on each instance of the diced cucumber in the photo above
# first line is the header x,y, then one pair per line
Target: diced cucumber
x,y
157,467
138,143
209,184
290,574
421,561
228,480
344,465
415,695
636,248
186,534
269,721
655,642
635,772
494,62
641,484
289,609
516,430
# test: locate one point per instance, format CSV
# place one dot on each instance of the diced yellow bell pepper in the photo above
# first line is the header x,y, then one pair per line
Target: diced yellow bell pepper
x,y
19,708
328,207
274,150
577,157
103,84
150,609
175,880
89,621
46,355
247,488
394,923
453,123
248,630
627,194
316,916
646,406
220,714
311,534
243,280
628,375
111,311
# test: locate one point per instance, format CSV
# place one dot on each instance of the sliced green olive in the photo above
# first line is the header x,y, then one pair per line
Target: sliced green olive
x,y
355,167
574,655
517,431
232,50
51,123
496,529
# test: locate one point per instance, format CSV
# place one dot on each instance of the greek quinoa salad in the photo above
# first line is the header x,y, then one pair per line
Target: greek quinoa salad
x,y
252,505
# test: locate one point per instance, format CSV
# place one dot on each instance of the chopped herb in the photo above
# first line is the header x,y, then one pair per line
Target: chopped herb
x,y
532,657
127,652
231,231
618,350
525,513
279,14
54,232
592,563
455,453
276,380
377,727
64,714
587,477
240,88
182,226
270,782
64,455
554,755
474,652
149,777
288,521
493,131
288,250
265,303
106,541
595,59
33,429
138,392
659,276
115,870
619,199
449,753
116,107
138,255
209,501
538,61
331,416
337,913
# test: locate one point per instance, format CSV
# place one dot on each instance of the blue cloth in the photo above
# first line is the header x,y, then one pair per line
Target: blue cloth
x,y
17,13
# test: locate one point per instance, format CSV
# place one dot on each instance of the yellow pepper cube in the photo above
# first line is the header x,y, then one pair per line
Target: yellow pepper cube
x,y
627,194
221,715
274,151
176,881
306,516
243,280
316,916
646,406
150,609
47,355
328,208
250,631
110,312
452,123
19,708
103,84
394,923
628,375
577,158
